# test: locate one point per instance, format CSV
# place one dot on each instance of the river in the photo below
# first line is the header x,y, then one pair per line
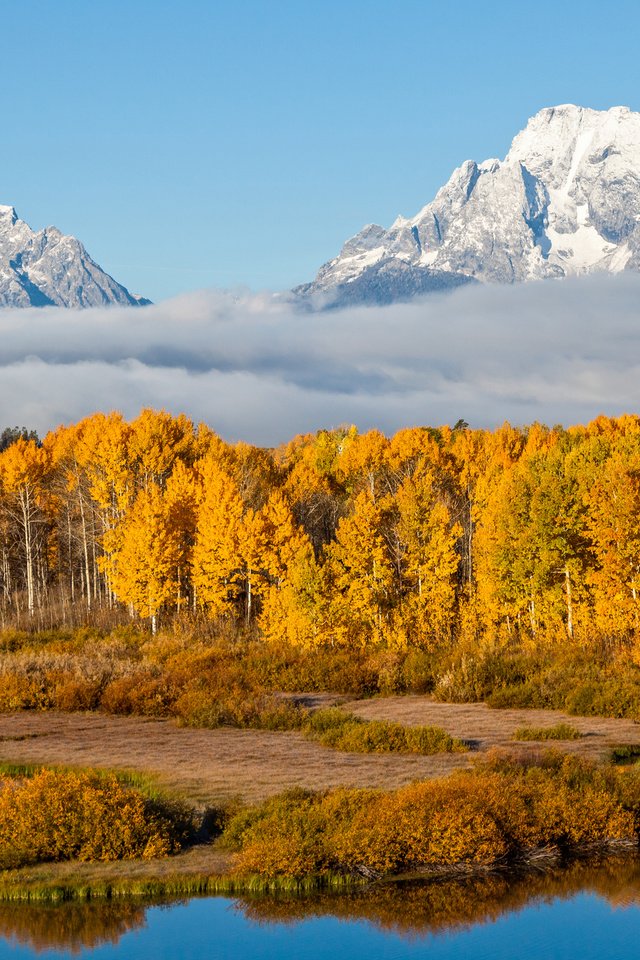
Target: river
x,y
583,912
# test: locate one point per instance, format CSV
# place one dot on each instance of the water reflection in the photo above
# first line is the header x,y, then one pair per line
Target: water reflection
x,y
73,926
408,909
418,908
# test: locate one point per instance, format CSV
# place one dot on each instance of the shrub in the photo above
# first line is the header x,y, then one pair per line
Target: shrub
x,y
561,731
517,696
18,692
625,753
499,812
203,708
77,694
344,731
64,816
140,693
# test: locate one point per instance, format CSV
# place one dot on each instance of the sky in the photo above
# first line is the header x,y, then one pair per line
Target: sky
x,y
210,144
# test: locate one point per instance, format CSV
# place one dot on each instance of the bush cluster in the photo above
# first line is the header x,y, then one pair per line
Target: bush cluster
x,y
560,731
55,815
344,731
497,813
221,678
603,680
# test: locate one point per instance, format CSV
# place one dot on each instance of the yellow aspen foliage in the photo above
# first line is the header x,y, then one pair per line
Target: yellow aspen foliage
x,y
217,561
282,537
360,575
290,590
303,483
254,472
102,450
295,610
612,498
328,446
206,443
144,568
407,449
181,497
502,593
530,549
156,441
528,535
252,545
361,463
429,559
23,468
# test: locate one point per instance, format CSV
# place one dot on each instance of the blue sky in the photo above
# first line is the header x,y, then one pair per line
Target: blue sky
x,y
218,144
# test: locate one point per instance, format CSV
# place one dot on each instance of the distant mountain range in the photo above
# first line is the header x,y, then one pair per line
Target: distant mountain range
x,y
564,201
45,268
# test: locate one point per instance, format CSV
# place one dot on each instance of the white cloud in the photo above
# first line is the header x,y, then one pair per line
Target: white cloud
x,y
257,370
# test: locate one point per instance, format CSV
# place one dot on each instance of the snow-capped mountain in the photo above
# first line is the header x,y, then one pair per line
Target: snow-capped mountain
x,y
564,201
45,267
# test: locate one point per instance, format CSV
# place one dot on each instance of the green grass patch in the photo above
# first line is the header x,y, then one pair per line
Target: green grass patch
x,y
345,731
561,731
625,753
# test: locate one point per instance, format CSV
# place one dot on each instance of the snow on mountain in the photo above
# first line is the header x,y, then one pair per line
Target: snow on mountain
x,y
564,201
45,267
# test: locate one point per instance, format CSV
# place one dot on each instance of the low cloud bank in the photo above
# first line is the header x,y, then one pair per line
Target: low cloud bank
x,y
255,369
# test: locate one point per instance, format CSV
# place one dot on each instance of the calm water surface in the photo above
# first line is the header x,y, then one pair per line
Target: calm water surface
x,y
583,913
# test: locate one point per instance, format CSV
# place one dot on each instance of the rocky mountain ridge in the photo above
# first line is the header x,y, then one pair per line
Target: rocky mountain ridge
x,y
564,201
47,268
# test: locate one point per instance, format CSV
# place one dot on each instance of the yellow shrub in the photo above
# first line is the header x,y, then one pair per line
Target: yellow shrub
x,y
472,818
18,692
63,816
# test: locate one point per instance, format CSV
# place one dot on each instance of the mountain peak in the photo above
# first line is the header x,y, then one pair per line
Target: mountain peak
x,y
47,268
565,200
8,213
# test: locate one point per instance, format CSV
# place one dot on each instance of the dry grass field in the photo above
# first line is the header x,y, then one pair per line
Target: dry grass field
x,y
207,766
485,728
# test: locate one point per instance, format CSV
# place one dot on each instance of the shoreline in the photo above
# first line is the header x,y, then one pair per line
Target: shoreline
x,y
73,880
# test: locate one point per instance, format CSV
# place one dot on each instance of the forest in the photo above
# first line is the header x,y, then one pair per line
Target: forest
x,y
336,538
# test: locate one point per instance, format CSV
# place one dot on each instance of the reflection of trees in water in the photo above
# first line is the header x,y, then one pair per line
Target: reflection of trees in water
x,y
419,908
72,926
410,909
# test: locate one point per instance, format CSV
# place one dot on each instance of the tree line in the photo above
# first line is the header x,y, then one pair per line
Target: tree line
x,y
335,538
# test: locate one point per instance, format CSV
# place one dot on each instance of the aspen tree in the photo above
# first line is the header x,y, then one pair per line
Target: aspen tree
x,y
611,494
290,592
145,564
181,505
361,575
429,559
217,563
155,443
23,467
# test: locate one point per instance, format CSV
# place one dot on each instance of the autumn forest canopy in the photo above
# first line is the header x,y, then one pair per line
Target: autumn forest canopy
x,y
422,539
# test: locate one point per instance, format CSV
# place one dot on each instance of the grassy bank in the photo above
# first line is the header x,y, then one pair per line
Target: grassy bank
x,y
411,909
505,813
